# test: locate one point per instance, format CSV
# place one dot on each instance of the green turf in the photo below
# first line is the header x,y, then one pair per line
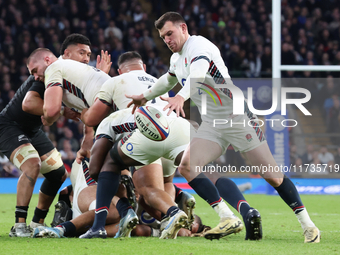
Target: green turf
x,y
282,233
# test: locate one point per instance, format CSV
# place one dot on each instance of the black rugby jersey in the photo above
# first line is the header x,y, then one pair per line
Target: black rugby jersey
x,y
13,110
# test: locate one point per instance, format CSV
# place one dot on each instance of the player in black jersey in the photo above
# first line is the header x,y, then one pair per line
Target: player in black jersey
x,y
27,146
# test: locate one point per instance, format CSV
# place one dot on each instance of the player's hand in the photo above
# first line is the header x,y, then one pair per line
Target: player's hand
x,y
137,101
70,114
45,122
81,154
104,62
174,103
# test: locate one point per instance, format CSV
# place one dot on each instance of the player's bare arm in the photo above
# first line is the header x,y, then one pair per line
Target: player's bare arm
x,y
70,114
104,62
52,104
198,70
86,144
33,103
95,114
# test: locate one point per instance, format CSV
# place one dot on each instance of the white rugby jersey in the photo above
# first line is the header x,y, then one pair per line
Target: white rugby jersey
x,y
80,82
113,91
219,102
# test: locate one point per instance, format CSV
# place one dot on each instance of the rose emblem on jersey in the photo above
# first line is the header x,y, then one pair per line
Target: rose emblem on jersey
x,y
249,137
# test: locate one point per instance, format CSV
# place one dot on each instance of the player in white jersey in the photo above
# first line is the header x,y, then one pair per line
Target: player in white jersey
x,y
73,83
83,205
67,81
132,78
195,63
35,148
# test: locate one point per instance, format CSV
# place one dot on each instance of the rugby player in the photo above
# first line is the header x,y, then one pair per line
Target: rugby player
x,y
196,63
142,152
84,200
22,141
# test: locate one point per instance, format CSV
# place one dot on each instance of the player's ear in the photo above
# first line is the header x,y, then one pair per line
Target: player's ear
x,y
184,27
67,53
144,67
119,71
47,60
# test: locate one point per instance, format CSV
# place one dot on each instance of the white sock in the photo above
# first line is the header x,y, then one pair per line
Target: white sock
x,y
223,210
304,219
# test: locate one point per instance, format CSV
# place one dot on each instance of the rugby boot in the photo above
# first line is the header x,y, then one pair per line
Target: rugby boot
x,y
312,235
175,223
43,231
100,233
62,213
20,230
127,224
187,204
253,225
227,226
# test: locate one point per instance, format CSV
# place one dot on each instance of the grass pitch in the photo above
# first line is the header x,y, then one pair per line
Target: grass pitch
x,y
282,233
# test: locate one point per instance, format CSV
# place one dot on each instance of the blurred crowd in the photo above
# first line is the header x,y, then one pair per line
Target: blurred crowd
x,y
240,28
315,160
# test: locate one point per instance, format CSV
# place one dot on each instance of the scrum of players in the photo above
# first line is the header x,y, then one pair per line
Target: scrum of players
x,y
103,194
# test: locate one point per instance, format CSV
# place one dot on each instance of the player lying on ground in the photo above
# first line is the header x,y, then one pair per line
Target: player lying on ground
x,y
83,213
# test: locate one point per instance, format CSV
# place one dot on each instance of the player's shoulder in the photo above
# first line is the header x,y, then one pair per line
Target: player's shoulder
x,y
140,75
198,41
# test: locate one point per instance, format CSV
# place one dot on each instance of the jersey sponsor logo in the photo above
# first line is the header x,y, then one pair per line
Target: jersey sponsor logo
x,y
22,137
129,147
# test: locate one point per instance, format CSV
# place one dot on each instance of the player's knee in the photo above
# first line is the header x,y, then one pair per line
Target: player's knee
x,y
53,181
275,182
52,163
184,170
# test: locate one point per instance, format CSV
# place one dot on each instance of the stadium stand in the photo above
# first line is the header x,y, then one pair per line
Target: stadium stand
x,y
240,28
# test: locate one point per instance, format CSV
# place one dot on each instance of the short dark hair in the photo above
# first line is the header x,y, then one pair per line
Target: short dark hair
x,y
174,17
74,39
37,52
127,56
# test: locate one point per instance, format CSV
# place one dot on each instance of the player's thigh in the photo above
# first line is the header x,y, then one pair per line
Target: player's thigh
x,y
42,143
200,152
140,148
86,197
169,168
262,157
149,176
243,134
12,138
178,139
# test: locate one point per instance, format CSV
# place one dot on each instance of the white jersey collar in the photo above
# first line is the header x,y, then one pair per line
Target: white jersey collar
x,y
184,46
